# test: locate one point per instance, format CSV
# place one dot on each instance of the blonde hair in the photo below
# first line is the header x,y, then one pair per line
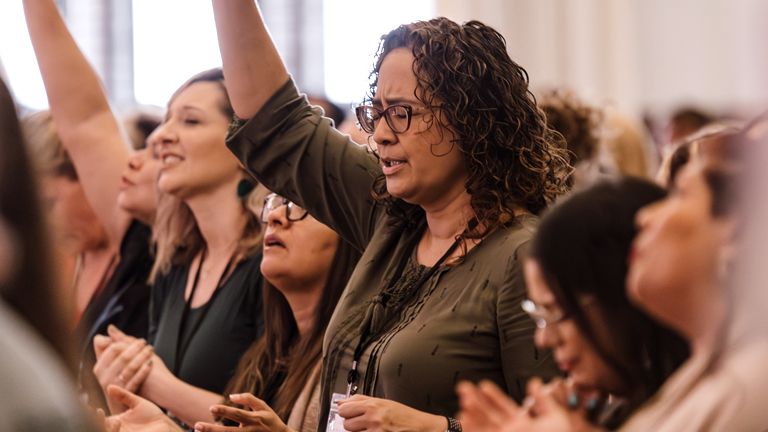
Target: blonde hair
x,y
48,154
178,237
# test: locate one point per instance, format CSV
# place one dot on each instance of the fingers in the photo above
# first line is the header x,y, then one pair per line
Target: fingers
x,y
473,414
112,424
140,363
210,427
250,400
139,377
111,369
100,343
123,396
119,336
246,418
352,407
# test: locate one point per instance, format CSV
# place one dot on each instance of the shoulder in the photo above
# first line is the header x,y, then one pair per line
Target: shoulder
x,y
506,247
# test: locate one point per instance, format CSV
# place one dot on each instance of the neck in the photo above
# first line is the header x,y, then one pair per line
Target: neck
x,y
449,217
221,219
304,300
704,320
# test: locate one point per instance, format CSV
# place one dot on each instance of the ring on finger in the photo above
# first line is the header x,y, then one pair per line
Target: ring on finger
x,y
120,377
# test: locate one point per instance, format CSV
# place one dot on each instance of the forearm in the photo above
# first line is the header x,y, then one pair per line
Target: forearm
x,y
252,66
188,403
84,120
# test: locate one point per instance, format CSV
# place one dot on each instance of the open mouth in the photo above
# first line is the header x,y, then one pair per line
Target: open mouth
x,y
273,241
392,163
170,159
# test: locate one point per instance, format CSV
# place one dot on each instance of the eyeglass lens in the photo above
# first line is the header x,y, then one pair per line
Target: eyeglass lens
x,y
398,118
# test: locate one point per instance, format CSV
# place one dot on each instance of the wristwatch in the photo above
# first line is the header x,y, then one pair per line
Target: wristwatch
x,y
453,425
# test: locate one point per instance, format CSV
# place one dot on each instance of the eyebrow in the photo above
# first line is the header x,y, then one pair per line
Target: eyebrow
x,y
396,101
184,108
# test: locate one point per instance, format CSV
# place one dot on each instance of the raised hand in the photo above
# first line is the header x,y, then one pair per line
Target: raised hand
x,y
260,418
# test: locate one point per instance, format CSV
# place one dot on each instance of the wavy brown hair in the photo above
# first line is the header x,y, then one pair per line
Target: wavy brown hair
x,y
465,71
175,231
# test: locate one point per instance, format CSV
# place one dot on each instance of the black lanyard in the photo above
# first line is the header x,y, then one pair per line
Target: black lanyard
x,y
366,324
183,344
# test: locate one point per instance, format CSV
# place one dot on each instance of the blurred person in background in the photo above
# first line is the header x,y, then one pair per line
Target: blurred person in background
x,y
581,127
103,189
576,272
680,273
37,364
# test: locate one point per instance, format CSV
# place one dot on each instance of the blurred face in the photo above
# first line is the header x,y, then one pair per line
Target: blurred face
x,y
296,253
574,353
409,162
138,186
677,252
190,144
75,225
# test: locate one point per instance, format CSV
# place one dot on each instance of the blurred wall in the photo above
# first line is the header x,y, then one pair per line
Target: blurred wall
x,y
637,54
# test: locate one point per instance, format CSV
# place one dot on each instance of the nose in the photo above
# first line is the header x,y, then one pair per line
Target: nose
x,y
136,160
163,135
383,134
546,337
644,215
278,217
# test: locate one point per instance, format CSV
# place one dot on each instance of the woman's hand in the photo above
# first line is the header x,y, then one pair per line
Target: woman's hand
x,y
142,415
125,364
261,418
485,408
375,414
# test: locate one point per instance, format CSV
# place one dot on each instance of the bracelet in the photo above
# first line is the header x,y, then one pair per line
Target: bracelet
x,y
453,425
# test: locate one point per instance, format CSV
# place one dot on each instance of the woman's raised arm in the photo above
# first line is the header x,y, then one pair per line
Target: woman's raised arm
x,y
84,120
253,69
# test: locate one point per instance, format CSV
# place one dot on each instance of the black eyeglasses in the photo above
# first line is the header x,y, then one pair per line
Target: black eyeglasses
x,y
398,117
541,316
274,201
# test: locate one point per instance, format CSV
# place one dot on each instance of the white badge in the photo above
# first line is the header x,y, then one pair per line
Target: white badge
x,y
335,421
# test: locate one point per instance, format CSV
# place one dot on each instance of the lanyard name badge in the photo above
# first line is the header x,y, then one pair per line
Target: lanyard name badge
x,y
335,422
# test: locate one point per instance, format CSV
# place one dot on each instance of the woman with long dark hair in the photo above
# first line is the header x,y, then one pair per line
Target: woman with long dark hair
x,y
306,267
576,271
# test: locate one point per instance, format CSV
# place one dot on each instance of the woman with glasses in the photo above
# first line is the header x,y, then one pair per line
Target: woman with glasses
x,y
463,165
576,271
306,267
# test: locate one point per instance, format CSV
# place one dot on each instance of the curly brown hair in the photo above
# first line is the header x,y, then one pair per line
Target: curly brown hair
x,y
483,95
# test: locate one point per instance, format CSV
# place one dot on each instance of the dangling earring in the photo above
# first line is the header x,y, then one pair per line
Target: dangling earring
x,y
244,188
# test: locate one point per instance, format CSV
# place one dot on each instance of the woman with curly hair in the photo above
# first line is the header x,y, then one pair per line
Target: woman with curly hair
x,y
463,165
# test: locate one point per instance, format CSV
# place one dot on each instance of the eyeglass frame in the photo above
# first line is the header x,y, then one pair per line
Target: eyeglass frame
x,y
540,318
288,206
409,112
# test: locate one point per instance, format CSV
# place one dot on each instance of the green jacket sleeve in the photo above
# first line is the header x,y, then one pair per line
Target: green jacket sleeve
x,y
297,153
